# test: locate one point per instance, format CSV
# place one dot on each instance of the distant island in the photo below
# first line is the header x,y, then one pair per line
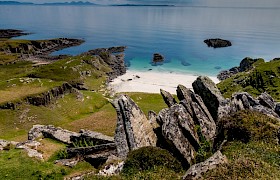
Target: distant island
x,y
72,3
14,3
142,5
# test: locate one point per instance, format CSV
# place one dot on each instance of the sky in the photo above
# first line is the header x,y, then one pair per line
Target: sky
x,y
235,3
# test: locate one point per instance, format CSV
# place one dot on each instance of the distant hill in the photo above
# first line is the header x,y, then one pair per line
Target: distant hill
x,y
14,3
141,5
73,3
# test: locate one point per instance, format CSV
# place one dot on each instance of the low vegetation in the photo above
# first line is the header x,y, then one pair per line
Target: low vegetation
x,y
264,77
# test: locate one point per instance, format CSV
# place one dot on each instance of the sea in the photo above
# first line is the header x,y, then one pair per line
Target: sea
x,y
175,32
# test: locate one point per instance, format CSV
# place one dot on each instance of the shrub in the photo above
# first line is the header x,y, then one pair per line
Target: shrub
x,y
149,158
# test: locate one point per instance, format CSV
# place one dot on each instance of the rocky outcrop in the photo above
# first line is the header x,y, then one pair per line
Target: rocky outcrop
x,y
217,43
210,94
44,47
168,98
90,136
10,33
133,128
196,171
52,132
48,97
67,162
245,65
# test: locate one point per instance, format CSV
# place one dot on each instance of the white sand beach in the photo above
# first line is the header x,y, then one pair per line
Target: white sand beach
x,y
152,81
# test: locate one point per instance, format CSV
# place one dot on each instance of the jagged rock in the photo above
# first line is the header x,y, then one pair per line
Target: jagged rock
x,y
67,162
50,131
168,98
277,108
198,111
246,64
266,100
217,43
133,128
178,129
98,149
196,171
111,169
91,136
152,116
210,94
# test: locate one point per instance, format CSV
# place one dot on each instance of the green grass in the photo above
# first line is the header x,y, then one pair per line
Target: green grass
x,y
264,77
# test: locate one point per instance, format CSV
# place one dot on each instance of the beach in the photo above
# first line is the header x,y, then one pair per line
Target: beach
x,y
152,81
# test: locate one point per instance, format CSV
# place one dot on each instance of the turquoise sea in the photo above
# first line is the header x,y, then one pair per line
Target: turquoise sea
x,y
175,32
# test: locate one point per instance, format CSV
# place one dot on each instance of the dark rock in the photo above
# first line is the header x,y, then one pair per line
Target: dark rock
x,y
133,128
178,129
98,159
266,100
158,58
196,171
228,73
110,50
168,98
210,94
10,33
247,64
277,108
91,150
217,43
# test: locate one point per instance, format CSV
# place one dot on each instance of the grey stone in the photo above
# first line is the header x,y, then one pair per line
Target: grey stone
x,y
133,128
92,136
266,100
67,162
168,98
197,170
111,169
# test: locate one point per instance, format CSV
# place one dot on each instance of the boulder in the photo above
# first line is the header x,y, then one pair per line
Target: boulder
x,y
133,128
217,43
210,94
52,132
266,100
168,98
178,129
196,171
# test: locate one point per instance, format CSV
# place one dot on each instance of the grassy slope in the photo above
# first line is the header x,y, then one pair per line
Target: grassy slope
x,y
264,77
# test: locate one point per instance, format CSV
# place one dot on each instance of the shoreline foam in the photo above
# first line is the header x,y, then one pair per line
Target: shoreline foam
x,y
152,81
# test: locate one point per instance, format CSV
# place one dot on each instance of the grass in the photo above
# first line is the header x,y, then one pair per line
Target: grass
x,y
263,78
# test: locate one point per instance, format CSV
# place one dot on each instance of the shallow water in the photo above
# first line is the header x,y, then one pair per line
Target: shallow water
x,y
175,32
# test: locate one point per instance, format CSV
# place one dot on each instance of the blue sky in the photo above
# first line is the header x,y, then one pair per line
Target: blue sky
x,y
240,3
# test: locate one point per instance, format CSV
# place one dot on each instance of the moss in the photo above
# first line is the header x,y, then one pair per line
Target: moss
x,y
147,158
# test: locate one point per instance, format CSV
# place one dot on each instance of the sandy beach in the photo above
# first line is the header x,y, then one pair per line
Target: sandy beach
x,y
152,81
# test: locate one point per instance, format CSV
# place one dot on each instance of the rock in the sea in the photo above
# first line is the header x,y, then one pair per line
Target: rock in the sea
x,y
168,98
178,130
210,94
197,170
133,128
157,58
217,43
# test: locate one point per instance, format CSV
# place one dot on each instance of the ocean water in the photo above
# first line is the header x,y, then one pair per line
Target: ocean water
x,y
175,32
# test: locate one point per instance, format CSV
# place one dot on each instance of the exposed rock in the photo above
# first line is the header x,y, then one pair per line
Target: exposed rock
x,y
31,148
67,162
228,73
50,131
246,64
277,108
111,169
168,98
133,128
210,94
91,136
157,58
178,129
5,145
91,150
217,43
110,50
196,171
198,111
100,158
152,116
10,33
266,100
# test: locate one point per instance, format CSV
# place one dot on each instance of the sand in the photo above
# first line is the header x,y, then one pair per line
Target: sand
x,y
152,81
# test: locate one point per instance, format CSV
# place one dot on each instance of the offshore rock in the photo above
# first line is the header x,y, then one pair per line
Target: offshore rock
x,y
197,170
133,128
210,94
10,33
178,129
157,58
217,43
168,98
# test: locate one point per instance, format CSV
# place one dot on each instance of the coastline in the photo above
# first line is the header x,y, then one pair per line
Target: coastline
x,y
152,81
